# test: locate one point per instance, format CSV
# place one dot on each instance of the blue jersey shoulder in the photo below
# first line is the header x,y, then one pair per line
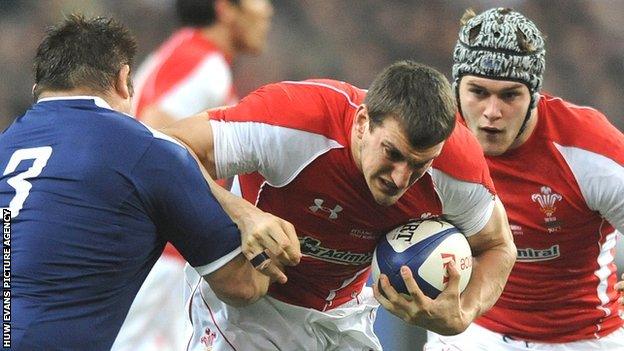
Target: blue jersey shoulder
x,y
95,196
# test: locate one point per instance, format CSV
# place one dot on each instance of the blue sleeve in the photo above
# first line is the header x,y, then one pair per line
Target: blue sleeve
x,y
184,209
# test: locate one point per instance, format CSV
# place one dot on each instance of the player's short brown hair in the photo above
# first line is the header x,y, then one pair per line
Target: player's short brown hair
x,y
419,97
83,53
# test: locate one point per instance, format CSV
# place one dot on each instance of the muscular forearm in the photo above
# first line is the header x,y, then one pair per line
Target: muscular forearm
x,y
238,283
260,231
490,271
494,256
235,206
257,287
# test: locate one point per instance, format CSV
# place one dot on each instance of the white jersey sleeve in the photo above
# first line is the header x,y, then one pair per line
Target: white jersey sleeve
x,y
467,205
601,181
208,85
278,153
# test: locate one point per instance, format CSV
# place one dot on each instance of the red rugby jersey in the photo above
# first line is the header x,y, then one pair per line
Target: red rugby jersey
x,y
297,136
186,75
563,190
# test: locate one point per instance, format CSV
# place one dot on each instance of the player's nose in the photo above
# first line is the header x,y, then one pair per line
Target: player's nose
x,y
401,175
493,108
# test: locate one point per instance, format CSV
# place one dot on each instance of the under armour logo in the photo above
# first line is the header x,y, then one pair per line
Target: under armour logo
x,y
318,205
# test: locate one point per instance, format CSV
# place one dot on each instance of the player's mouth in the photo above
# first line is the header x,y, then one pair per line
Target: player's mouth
x,y
490,133
491,130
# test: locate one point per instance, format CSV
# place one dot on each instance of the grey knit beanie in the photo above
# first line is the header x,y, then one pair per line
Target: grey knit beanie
x,y
501,44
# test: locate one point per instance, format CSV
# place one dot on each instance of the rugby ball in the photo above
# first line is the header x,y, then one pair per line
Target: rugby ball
x,y
426,247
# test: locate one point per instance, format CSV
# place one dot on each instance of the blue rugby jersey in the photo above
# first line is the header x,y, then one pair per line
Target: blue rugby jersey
x,y
95,195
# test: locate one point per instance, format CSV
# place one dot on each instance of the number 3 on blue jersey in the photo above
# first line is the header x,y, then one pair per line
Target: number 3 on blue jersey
x,y
18,181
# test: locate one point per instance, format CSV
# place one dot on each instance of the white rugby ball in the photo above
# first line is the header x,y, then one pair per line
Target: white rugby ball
x,y
426,247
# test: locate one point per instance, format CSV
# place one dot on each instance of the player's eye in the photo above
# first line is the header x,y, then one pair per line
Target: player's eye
x,y
478,92
510,95
392,154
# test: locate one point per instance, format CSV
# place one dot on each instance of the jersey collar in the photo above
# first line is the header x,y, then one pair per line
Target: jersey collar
x,y
96,99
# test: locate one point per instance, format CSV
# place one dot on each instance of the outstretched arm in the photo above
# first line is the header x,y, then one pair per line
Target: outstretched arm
x,y
259,230
173,188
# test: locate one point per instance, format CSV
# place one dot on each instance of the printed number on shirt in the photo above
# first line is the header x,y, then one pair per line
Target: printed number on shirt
x,y
18,182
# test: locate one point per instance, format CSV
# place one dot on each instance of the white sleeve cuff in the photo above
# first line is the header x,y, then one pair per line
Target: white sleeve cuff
x,y
214,265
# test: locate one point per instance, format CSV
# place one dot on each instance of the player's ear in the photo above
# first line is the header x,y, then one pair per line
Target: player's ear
x,y
361,121
121,83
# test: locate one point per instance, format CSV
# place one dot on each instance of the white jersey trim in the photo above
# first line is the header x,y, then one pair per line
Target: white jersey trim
x,y
332,293
605,257
278,153
153,64
207,85
216,264
570,105
342,92
98,101
601,181
467,205
163,136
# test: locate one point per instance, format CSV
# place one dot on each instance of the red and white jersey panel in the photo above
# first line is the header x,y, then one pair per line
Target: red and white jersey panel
x,y
564,194
297,136
186,75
